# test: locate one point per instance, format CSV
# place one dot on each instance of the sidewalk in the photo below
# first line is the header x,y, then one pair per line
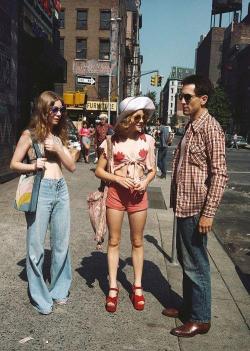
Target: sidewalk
x,y
84,324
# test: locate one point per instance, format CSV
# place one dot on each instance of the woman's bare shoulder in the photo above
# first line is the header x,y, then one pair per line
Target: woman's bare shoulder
x,y
26,136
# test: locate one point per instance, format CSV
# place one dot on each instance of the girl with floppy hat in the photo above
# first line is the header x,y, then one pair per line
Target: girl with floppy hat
x,y
132,169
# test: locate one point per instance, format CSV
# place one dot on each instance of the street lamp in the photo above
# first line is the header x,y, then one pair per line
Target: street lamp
x,y
114,20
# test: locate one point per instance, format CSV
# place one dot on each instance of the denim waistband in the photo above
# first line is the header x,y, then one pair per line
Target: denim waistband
x,y
54,182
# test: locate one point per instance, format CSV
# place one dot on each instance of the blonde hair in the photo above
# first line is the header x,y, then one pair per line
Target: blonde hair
x,y
121,128
39,124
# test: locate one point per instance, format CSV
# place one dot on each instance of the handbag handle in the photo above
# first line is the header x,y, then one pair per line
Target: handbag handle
x,y
38,154
109,152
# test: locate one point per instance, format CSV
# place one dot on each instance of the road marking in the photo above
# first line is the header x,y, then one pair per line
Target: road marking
x,y
233,172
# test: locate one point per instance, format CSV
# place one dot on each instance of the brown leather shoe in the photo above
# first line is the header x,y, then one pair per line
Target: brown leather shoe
x,y
190,329
171,312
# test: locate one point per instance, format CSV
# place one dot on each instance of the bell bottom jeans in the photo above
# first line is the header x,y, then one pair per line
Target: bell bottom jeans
x,y
193,258
52,210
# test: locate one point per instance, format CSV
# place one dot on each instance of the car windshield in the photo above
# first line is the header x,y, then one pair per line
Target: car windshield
x,y
240,138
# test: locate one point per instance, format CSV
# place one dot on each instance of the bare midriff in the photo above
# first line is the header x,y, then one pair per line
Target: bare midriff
x,y
122,172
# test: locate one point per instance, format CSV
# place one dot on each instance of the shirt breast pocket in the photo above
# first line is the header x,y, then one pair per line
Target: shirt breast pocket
x,y
197,155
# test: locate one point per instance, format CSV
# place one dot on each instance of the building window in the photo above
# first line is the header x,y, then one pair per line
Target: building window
x,y
172,90
104,49
62,19
105,16
103,86
81,48
82,19
62,46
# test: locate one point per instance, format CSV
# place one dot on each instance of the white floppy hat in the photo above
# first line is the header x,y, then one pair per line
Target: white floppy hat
x,y
135,103
103,115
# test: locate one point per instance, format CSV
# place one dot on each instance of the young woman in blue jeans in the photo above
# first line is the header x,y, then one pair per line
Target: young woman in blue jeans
x,y
48,128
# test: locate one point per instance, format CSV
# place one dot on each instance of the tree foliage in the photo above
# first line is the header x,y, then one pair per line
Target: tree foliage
x,y
219,107
152,96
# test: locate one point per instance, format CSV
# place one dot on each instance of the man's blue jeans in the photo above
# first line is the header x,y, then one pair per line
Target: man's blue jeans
x,y
162,160
52,209
192,255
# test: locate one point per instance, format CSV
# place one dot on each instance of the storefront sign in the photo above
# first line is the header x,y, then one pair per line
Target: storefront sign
x,y
100,105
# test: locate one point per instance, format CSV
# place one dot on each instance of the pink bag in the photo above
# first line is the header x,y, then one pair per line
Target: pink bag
x,y
97,204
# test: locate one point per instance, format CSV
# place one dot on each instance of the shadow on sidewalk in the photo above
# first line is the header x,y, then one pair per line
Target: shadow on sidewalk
x,y
46,267
155,283
153,241
95,268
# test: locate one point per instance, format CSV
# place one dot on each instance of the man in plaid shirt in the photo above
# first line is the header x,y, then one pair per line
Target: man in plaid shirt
x,y
198,181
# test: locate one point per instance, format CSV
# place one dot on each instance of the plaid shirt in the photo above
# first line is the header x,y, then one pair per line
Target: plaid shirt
x,y
199,185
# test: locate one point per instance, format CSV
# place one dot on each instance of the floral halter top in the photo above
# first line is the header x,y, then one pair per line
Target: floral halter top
x,y
136,155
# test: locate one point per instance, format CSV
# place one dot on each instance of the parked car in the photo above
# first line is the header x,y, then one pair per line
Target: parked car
x,y
241,142
228,139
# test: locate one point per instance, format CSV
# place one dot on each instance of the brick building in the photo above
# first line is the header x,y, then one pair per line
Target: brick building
x,y
223,56
30,62
8,83
209,55
98,40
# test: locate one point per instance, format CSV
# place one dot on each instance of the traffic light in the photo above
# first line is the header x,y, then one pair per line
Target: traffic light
x,y
154,80
159,79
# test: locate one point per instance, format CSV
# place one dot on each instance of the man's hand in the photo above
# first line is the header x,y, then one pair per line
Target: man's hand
x,y
205,224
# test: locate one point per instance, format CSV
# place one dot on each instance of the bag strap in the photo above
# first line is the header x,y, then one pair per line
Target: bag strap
x,y
109,152
37,150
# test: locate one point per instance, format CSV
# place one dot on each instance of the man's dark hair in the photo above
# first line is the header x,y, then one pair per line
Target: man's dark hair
x,y
203,85
161,121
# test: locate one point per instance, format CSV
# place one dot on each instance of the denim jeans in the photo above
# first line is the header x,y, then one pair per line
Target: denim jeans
x,y
53,211
192,255
162,160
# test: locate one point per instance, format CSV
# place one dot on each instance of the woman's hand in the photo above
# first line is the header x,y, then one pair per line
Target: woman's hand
x,y
141,187
127,183
51,145
40,163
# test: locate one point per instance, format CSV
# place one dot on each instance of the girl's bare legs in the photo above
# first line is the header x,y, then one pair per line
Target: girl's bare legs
x,y
137,222
114,222
86,151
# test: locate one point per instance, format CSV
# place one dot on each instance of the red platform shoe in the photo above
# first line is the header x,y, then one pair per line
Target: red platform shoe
x,y
137,299
111,302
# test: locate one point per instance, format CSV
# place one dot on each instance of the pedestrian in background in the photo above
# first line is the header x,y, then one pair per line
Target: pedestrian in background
x,y
84,133
198,181
101,131
235,138
133,168
48,128
163,148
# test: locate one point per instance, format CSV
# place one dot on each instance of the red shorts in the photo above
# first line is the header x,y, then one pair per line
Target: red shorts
x,y
122,199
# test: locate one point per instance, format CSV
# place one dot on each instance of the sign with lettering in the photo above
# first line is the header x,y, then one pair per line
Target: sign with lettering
x,y
100,105
85,80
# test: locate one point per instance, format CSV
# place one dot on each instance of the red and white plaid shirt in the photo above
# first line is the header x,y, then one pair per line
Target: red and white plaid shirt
x,y
199,185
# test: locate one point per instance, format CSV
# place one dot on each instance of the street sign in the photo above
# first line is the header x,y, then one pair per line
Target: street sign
x,y
85,80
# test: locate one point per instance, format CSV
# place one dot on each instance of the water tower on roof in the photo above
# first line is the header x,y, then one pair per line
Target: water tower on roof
x,y
224,6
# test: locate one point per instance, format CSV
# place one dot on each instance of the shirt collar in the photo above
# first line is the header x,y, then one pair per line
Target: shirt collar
x,y
196,124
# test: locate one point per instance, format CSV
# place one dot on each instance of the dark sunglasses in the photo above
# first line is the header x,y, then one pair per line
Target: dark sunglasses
x,y
138,118
186,97
55,109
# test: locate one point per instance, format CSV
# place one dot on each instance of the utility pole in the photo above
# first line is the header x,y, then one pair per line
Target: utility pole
x,y
114,20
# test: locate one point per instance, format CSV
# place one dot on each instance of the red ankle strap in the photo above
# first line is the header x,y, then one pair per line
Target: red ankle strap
x,y
114,289
137,287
